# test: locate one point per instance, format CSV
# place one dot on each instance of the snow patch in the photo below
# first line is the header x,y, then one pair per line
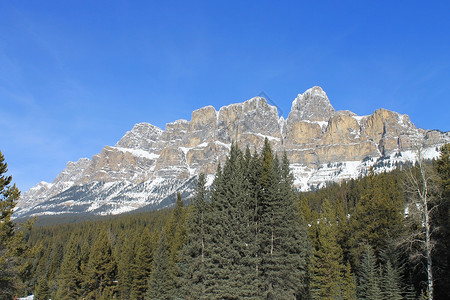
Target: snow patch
x,y
228,146
42,184
322,124
202,145
359,119
138,153
185,149
180,121
209,179
270,138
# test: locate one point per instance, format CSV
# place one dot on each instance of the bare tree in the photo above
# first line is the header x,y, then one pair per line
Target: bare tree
x,y
423,201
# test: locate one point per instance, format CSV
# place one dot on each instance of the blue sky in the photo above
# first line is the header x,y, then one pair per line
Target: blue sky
x,y
76,75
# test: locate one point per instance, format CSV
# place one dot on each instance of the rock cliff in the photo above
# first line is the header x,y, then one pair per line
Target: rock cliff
x,y
148,165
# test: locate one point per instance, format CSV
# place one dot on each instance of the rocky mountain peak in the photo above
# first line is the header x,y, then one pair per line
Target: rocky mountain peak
x,y
248,122
255,103
73,170
142,136
148,166
312,105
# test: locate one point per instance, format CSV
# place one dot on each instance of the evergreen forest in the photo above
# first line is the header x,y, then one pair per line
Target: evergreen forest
x,y
250,235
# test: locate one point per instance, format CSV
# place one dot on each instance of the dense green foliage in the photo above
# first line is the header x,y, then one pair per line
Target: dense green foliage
x,y
327,269
442,222
15,255
251,236
252,244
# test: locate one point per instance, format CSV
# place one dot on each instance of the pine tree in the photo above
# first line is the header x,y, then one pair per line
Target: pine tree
x,y
229,262
55,259
377,217
126,268
443,168
349,284
369,277
304,207
192,257
391,283
69,280
255,244
42,291
101,272
84,265
143,264
283,244
442,222
175,231
12,246
410,293
327,269
161,284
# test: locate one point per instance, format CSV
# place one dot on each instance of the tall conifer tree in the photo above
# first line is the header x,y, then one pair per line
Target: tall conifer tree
x,y
192,258
126,268
102,268
230,270
349,284
377,217
161,284
13,249
42,291
369,277
143,264
176,231
328,269
284,248
442,221
69,279
391,284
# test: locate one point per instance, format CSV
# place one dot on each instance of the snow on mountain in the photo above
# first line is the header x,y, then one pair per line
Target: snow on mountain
x,y
312,105
142,136
148,166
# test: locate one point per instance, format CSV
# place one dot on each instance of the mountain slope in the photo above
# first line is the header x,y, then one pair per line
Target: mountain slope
x,y
148,165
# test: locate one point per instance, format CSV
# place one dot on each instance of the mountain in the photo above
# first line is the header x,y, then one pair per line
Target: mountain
x,y
148,166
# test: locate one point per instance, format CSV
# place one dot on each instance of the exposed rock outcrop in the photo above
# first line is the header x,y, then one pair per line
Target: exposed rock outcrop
x,y
148,164
312,105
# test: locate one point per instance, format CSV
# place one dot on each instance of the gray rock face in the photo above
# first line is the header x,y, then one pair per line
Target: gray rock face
x,y
248,123
143,136
312,105
43,191
148,165
73,171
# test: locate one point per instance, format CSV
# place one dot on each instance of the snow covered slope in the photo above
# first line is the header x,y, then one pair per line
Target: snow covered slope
x,y
148,166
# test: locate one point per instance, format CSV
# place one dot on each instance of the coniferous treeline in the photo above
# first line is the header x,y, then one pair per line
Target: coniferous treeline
x,y
380,231
251,236
15,267
247,240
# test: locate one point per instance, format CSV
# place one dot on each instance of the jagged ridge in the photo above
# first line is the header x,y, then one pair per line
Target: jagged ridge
x,y
148,164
